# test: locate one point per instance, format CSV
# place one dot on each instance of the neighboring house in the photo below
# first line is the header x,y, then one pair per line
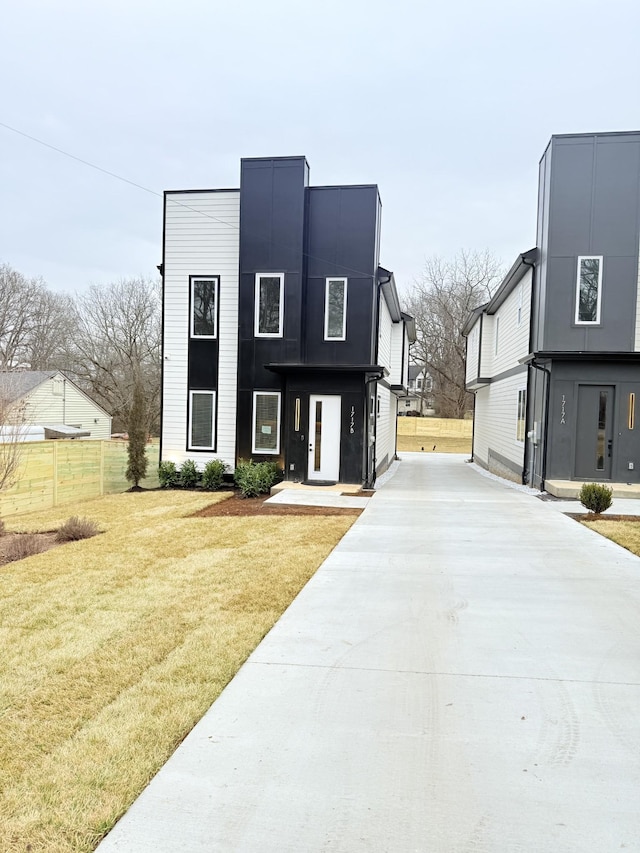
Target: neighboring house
x,y
554,357
419,392
283,337
46,404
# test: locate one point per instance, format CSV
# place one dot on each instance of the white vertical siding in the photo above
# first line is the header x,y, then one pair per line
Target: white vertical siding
x,y
513,336
398,336
496,415
385,427
71,407
384,334
473,347
202,232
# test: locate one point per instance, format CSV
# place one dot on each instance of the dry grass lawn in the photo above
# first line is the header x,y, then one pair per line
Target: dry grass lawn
x,y
114,647
625,533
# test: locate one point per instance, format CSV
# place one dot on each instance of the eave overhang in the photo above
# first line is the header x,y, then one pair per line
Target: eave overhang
x,y
300,367
582,355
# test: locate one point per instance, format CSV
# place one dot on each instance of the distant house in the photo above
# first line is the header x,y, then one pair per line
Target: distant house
x,y
44,404
419,397
284,338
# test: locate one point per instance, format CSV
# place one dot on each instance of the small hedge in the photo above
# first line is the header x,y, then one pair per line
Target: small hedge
x,y
189,474
255,478
213,474
168,475
596,497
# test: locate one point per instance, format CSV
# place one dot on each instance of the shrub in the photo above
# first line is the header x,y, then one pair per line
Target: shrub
x,y
255,478
189,474
137,430
168,475
213,474
23,545
595,497
76,528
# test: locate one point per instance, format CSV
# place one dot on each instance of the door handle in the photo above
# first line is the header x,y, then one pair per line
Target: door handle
x,y
609,447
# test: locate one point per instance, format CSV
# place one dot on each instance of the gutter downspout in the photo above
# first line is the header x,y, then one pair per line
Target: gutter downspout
x,y
547,395
527,443
370,477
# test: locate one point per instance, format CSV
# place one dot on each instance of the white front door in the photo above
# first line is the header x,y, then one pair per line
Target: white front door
x,y
324,438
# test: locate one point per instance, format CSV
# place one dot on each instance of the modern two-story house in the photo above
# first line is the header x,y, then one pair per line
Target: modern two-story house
x,y
283,336
554,357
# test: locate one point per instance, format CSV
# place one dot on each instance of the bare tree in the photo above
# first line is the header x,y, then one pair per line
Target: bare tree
x,y
117,345
13,424
34,323
440,301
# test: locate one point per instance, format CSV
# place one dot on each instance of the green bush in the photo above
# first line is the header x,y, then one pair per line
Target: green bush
x,y
189,474
255,478
213,474
168,475
595,497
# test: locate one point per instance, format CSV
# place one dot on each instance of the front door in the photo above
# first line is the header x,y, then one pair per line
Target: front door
x,y
594,432
324,438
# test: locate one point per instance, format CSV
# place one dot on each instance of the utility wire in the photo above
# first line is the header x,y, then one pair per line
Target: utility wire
x,y
160,195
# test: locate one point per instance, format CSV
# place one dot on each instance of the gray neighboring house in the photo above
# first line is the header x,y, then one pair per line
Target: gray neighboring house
x,y
43,404
554,358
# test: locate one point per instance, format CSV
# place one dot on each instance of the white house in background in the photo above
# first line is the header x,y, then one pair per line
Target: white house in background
x,y
419,392
46,404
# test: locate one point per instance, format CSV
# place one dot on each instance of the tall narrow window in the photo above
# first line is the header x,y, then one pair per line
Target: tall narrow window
x,y
335,309
269,305
601,435
588,289
201,420
266,422
204,307
522,414
632,410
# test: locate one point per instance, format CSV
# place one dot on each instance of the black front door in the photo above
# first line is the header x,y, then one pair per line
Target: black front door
x,y
594,432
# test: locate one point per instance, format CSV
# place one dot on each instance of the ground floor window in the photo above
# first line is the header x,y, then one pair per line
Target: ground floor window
x,y
202,406
522,414
266,422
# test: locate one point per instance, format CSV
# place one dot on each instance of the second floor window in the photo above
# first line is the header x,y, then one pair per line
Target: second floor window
x,y
204,307
589,285
269,308
335,309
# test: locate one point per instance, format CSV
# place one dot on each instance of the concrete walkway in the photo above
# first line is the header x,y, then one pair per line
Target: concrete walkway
x,y
461,674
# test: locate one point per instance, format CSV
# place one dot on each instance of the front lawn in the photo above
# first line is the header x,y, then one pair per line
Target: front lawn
x,y
114,647
625,532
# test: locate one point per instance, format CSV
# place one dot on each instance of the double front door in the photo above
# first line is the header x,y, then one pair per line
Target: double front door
x,y
324,437
594,433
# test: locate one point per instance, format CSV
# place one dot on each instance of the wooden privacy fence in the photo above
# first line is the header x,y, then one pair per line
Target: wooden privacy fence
x,y
57,472
435,427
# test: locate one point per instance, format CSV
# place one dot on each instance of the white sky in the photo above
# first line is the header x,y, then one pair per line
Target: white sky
x,y
447,106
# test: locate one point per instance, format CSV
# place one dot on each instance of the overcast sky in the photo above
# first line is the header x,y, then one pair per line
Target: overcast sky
x,y
446,105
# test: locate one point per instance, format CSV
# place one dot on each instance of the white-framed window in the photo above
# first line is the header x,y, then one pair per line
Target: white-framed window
x,y
588,289
202,408
521,417
204,306
269,307
335,309
497,328
266,422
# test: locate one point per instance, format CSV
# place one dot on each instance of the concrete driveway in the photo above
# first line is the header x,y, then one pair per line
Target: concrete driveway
x,y
462,674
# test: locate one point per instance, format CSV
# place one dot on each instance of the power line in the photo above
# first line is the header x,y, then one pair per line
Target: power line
x,y
138,186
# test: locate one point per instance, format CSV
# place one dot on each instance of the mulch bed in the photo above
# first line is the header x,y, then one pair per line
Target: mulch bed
x,y
239,506
584,516
8,542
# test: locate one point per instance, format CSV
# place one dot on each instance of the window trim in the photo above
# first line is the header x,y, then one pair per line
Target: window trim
x,y
259,450
198,447
344,281
192,280
595,322
521,390
256,306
